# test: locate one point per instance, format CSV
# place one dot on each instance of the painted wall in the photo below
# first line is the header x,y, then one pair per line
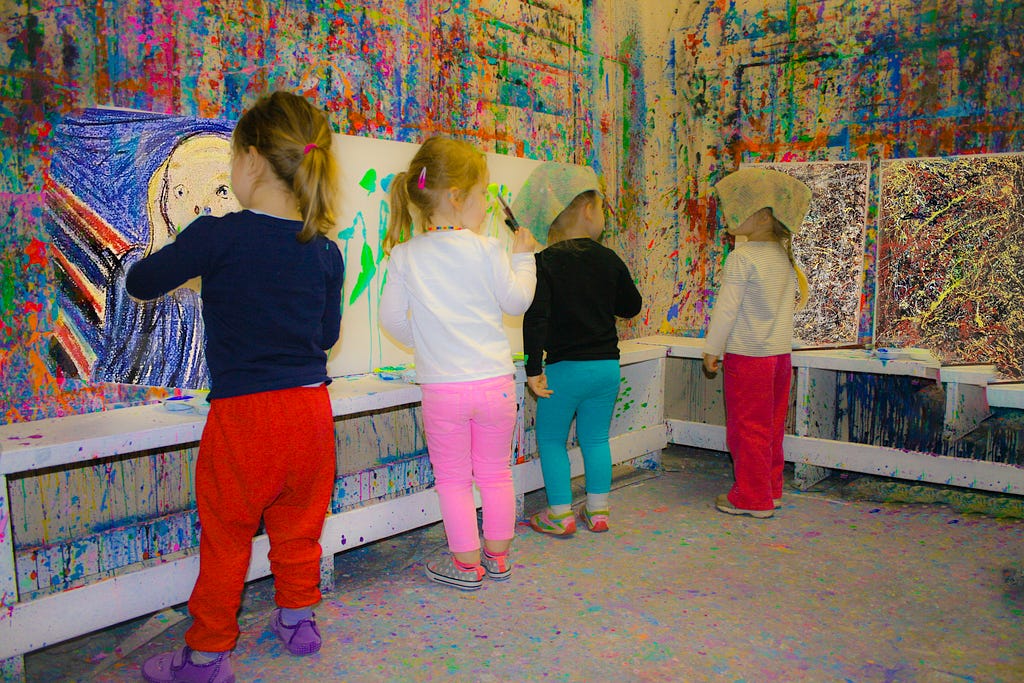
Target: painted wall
x,y
545,81
786,80
663,98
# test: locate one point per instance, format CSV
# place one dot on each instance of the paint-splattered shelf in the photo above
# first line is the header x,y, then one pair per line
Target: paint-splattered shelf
x,y
907,417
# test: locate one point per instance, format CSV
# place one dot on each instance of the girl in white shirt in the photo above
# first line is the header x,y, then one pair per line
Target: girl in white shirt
x,y
752,325
446,289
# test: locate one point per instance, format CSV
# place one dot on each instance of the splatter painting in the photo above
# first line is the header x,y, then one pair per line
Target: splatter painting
x,y
367,169
830,249
950,249
542,81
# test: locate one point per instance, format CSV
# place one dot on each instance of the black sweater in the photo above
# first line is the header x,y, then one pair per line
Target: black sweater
x,y
581,287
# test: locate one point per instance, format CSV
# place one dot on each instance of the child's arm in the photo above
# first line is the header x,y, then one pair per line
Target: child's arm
x,y
331,319
535,332
393,312
173,265
513,286
628,301
723,315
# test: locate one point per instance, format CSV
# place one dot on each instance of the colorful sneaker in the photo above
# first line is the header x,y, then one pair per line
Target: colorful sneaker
x,y
546,523
177,667
498,567
777,502
444,570
723,505
300,639
596,521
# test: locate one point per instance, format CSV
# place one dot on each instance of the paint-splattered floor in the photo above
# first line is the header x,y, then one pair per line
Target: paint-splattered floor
x,y
828,590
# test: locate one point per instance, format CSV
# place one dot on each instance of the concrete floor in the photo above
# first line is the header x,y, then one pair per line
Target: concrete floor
x,y
830,589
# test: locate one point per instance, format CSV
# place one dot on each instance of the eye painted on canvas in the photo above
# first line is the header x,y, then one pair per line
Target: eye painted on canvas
x,y
194,181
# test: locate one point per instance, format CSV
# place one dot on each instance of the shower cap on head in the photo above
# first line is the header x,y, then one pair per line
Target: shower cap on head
x,y
547,192
746,191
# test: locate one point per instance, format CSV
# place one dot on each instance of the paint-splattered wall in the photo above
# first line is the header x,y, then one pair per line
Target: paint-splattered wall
x,y
788,80
662,97
543,80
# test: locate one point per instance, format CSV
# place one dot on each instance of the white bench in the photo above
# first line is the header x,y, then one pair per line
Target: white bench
x,y
694,410
638,433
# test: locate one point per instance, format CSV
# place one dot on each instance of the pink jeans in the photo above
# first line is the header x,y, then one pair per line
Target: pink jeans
x,y
469,438
756,403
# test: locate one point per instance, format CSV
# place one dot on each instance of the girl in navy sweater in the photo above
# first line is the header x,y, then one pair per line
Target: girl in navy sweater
x,y
271,294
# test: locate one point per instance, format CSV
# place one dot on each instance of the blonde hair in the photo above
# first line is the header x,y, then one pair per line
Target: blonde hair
x,y
295,137
782,234
440,164
569,216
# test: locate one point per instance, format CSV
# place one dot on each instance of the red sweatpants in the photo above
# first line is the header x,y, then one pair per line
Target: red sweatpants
x,y
756,403
266,456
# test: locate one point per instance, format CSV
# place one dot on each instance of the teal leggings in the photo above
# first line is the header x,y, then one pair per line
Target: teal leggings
x,y
586,389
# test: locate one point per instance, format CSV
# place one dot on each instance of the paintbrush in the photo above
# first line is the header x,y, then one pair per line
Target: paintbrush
x,y
510,219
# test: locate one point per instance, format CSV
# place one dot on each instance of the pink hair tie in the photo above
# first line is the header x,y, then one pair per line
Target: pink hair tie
x,y
309,148
422,182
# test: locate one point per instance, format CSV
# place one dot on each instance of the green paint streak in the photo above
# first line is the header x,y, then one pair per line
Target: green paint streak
x,y
369,181
368,268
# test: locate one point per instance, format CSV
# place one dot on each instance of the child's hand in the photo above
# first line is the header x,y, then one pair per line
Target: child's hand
x,y
539,383
710,363
523,242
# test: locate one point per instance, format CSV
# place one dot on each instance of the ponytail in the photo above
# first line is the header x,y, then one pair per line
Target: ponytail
x,y
316,186
400,223
295,137
439,165
801,277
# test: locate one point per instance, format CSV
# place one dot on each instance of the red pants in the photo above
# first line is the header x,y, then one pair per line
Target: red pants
x,y
756,403
266,456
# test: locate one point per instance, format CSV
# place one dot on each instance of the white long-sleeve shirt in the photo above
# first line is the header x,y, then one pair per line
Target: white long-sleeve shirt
x,y
753,313
444,296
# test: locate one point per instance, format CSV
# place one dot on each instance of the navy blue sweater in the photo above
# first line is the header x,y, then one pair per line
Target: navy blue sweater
x,y
581,287
271,305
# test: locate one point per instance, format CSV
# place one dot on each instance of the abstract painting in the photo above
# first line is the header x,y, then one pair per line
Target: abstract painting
x,y
830,249
951,259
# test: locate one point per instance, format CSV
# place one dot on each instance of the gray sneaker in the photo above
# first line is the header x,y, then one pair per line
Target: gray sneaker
x,y
443,570
497,567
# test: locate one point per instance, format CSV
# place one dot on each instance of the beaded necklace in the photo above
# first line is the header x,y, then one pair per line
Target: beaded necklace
x,y
437,228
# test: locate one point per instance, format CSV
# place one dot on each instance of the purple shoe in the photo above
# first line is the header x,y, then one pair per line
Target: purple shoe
x,y
177,667
301,639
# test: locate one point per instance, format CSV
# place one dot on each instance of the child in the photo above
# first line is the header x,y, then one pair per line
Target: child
x,y
581,287
444,295
271,289
752,323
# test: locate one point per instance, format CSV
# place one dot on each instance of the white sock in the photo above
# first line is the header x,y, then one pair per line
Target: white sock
x,y
597,501
560,510
200,658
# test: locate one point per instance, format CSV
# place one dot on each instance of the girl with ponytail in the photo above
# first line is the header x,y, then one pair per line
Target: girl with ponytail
x,y
271,295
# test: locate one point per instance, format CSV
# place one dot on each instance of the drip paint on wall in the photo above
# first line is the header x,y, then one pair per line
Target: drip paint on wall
x,y
513,77
830,250
760,82
950,248
63,564
80,524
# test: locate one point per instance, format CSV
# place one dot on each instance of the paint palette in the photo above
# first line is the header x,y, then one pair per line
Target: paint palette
x,y
888,353
187,403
